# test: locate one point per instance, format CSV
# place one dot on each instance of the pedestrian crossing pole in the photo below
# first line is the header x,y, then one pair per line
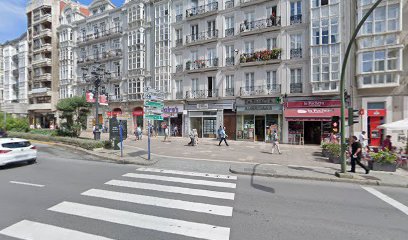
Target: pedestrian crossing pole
x,y
148,139
342,87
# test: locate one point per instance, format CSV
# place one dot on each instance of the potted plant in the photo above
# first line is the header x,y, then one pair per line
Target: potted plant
x,y
188,64
325,151
383,161
242,58
276,52
334,152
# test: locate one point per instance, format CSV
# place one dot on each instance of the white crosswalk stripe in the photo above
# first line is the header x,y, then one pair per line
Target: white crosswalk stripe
x,y
192,174
171,189
29,230
161,202
181,180
193,224
191,229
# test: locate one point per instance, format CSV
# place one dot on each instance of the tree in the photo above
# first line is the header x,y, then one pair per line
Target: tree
x,y
74,110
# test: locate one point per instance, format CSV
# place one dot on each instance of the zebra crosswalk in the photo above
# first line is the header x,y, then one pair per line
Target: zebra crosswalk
x,y
201,207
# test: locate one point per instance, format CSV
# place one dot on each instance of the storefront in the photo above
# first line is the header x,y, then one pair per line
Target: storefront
x,y
309,121
207,118
172,117
137,117
255,116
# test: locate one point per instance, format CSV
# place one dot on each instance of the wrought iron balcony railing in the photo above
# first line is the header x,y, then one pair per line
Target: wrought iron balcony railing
x,y
296,53
179,95
202,94
201,64
260,24
264,55
260,90
179,42
202,36
229,32
230,61
100,34
201,9
229,92
296,88
296,19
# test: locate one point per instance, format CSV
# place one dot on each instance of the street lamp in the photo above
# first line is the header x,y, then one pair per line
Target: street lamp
x,y
98,76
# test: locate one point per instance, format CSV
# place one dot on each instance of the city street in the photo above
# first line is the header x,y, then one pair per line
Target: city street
x,y
67,195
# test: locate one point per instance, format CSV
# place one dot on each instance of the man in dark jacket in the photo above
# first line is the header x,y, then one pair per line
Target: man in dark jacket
x,y
356,153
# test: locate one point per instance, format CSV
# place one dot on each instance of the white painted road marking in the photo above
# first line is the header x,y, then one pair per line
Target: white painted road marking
x,y
28,230
171,189
181,180
190,229
387,199
161,202
194,174
27,184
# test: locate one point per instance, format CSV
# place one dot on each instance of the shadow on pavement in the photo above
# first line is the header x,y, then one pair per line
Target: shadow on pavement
x,y
259,186
137,154
309,169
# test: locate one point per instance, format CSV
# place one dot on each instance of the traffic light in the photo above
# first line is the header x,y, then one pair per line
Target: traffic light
x,y
353,116
335,124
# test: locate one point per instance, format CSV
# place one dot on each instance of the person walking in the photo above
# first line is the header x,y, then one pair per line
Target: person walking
x,y
139,133
223,136
387,144
356,153
166,133
362,139
219,133
275,142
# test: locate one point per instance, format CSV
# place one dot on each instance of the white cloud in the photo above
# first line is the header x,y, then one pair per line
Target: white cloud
x,y
12,18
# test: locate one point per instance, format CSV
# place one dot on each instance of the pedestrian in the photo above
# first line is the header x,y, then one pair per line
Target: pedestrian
x,y
362,139
192,138
195,133
223,136
387,144
136,134
219,133
139,133
356,153
275,142
175,131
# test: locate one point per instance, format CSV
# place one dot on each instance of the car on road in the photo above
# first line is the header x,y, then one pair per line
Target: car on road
x,y
17,150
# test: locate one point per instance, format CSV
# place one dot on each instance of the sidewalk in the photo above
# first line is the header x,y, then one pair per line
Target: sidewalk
x,y
302,162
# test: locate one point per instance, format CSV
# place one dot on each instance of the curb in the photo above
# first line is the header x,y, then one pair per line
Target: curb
x,y
344,180
105,158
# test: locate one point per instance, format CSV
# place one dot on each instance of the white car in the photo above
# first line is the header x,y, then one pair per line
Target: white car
x,y
16,150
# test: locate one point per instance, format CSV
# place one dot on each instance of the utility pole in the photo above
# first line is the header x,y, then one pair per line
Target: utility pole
x,y
342,86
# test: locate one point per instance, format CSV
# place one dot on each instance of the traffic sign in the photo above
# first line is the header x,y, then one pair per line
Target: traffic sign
x,y
154,104
154,117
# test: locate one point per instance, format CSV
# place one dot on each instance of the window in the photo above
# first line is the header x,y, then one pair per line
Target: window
x,y
379,61
271,80
249,81
194,32
194,56
179,86
271,43
249,47
296,11
116,68
383,19
296,41
116,90
229,82
194,84
296,75
229,22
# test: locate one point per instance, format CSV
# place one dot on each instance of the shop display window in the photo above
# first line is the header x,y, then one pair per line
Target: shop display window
x,y
245,127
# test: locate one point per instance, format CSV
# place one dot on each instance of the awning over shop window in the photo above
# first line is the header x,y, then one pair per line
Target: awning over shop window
x,y
311,114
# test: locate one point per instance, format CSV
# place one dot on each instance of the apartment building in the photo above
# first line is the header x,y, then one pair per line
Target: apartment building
x,y
43,70
14,79
1,75
381,68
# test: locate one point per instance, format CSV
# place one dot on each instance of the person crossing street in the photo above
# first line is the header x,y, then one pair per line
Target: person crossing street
x,y
223,136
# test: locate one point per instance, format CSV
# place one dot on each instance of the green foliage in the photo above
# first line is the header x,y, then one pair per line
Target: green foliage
x,y
18,124
384,157
82,143
334,149
324,145
74,111
47,132
107,144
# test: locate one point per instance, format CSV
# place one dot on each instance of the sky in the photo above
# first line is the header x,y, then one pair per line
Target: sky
x,y
13,20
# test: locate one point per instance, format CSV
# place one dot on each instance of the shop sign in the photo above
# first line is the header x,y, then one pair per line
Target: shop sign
x,y
376,113
261,108
256,101
202,106
314,103
312,112
137,113
170,110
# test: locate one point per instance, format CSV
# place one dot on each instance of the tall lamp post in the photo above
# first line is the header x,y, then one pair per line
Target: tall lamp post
x,y
98,76
342,86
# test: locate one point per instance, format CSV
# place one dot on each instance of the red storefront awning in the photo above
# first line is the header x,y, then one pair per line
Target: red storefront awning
x,y
311,114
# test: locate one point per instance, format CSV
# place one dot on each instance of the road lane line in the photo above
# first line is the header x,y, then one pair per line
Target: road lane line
x,y
161,202
172,189
29,230
27,184
192,174
181,180
168,225
387,199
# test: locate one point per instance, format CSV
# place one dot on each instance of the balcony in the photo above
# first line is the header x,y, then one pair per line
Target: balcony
x,y
202,37
45,47
179,68
230,61
179,18
259,26
295,53
15,73
202,94
179,95
325,87
42,62
273,89
40,91
229,4
135,96
229,32
44,18
39,106
202,11
115,98
99,36
296,19
261,57
296,88
201,65
229,92
179,42
43,77
246,3
101,57
44,32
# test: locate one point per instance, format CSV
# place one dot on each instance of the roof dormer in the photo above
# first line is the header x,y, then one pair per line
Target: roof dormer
x,y
100,6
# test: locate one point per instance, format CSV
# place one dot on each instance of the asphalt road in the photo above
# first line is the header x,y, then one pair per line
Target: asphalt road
x,y
74,194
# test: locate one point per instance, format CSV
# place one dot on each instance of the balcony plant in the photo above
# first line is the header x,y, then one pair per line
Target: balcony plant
x,y
242,58
200,63
188,65
383,161
276,52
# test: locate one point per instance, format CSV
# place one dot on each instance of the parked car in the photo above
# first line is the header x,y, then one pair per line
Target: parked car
x,y
17,150
3,133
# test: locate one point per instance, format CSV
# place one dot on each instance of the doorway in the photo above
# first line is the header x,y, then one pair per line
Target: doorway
x,y
313,132
260,128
